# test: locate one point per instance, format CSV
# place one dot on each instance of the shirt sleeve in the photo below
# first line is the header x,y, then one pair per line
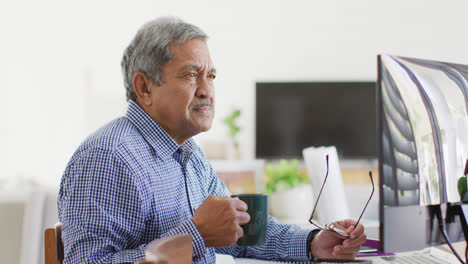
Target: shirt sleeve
x,y
100,210
211,186
189,227
282,242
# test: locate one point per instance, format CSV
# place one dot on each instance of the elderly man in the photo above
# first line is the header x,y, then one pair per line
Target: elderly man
x,y
142,177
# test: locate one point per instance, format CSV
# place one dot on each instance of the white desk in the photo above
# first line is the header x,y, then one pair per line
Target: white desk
x,y
442,252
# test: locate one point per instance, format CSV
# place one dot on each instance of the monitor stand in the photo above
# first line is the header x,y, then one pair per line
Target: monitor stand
x,y
460,209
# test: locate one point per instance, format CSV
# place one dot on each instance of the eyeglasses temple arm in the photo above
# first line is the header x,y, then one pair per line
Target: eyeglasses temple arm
x,y
372,180
318,197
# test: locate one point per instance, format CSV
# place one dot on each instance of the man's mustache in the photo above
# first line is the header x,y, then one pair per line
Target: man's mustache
x,y
202,104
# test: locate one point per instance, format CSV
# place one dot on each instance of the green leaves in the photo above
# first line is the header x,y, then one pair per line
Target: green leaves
x,y
230,121
285,175
462,189
234,129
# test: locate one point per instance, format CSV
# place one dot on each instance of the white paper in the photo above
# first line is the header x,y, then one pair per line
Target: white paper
x,y
332,205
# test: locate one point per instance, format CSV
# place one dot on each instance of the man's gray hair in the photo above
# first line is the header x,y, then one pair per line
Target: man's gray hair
x,y
150,49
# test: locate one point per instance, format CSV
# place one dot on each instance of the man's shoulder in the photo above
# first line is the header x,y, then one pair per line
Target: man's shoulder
x,y
110,137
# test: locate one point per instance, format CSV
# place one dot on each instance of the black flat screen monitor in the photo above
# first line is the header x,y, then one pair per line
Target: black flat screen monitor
x,y
423,148
291,116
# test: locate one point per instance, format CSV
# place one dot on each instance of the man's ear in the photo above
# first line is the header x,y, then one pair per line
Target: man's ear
x,y
142,88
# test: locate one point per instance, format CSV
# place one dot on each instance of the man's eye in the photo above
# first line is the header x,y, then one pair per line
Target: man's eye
x,y
212,76
191,74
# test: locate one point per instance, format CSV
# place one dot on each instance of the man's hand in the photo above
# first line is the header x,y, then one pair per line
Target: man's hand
x,y
219,218
330,245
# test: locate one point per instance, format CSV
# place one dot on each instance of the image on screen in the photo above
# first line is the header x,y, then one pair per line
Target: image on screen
x,y
423,146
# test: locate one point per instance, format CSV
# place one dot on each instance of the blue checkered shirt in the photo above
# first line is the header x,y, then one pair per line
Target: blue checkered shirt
x,y
125,187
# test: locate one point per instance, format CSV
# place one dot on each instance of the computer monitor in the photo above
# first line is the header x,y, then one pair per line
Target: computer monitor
x,y
291,116
423,149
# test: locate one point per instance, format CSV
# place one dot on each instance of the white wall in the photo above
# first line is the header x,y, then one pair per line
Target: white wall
x,y
60,62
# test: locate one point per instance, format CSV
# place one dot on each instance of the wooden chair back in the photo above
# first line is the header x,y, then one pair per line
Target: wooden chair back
x,y
53,246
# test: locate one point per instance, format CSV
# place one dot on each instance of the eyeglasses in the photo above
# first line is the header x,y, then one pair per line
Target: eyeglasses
x,y
332,227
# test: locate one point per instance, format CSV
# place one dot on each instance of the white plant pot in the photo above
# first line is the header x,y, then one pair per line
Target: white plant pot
x,y
295,203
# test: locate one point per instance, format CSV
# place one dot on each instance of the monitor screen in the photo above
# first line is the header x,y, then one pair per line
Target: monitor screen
x,y
423,148
291,116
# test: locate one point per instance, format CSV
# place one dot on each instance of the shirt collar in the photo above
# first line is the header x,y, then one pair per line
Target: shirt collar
x,y
154,134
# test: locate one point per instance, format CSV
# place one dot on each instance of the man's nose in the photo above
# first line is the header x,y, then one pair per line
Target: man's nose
x,y
205,88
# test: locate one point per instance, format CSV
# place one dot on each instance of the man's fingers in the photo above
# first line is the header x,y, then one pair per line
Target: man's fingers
x,y
350,227
343,249
354,242
239,205
345,224
340,252
358,230
240,232
243,218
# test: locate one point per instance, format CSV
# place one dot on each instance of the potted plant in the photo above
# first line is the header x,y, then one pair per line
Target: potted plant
x,y
462,185
234,129
289,189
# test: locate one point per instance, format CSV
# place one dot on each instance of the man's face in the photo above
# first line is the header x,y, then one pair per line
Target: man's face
x,y
183,103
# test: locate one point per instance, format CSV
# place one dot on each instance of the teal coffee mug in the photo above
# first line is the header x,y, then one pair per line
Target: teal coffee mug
x,y
255,230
